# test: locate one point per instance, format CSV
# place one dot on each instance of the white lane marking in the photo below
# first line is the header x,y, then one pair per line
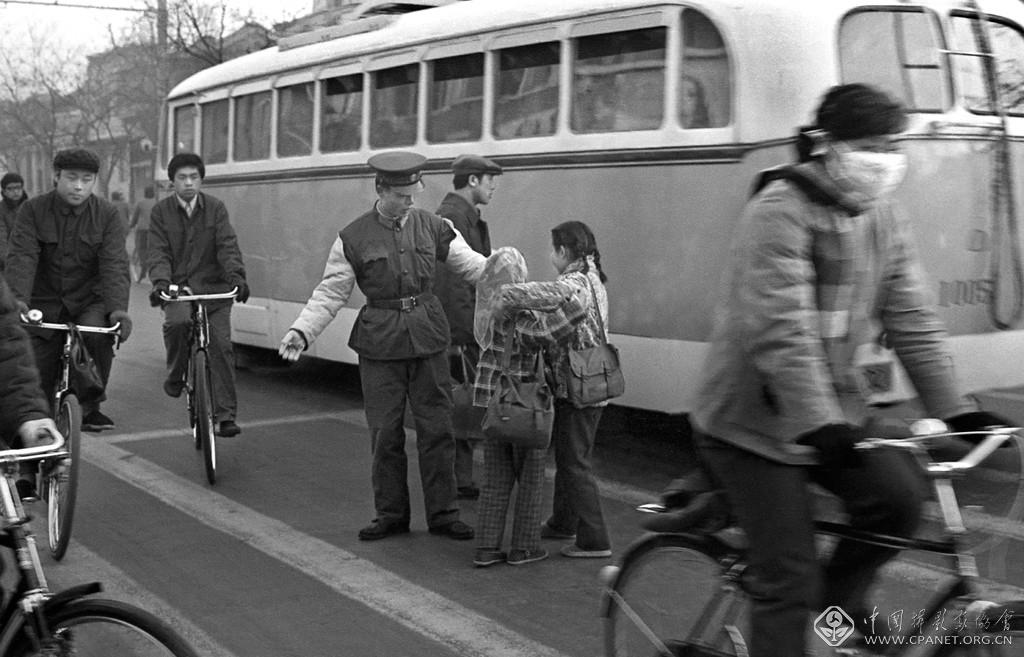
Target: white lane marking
x,y
118,585
462,630
115,438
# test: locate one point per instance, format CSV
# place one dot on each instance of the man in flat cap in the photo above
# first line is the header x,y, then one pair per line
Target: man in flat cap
x,y
474,184
68,259
401,335
12,189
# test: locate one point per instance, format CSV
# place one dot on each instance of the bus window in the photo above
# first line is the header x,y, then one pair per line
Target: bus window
x,y
295,120
456,99
185,129
619,81
1007,45
215,131
252,126
341,116
705,87
527,91
899,52
393,106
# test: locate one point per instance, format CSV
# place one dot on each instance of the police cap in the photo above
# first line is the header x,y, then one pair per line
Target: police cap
x,y
399,170
475,165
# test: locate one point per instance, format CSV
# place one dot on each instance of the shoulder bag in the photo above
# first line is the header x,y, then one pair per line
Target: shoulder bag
x,y
83,376
594,373
520,412
466,417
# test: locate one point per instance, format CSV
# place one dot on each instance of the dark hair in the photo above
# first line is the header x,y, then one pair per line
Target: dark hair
x,y
185,160
148,192
116,196
460,180
78,159
11,179
853,111
579,240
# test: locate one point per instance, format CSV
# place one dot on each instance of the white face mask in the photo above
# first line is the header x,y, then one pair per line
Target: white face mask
x,y
872,174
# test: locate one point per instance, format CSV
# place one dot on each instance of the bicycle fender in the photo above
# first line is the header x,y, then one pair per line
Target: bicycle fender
x,y
12,631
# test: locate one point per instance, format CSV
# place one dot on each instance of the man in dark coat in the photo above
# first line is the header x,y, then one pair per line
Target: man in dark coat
x,y
474,183
401,335
68,260
12,187
192,243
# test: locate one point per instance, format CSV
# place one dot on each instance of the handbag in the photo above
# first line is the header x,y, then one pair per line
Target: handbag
x,y
466,418
520,412
83,376
594,372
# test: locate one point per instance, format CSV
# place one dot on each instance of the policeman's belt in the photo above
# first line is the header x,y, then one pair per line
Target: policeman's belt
x,y
405,304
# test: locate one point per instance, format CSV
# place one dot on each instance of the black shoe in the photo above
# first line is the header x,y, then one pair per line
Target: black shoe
x,y
377,530
96,421
26,490
228,428
468,493
173,388
456,529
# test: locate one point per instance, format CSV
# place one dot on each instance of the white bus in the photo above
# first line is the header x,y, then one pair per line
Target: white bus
x,y
648,120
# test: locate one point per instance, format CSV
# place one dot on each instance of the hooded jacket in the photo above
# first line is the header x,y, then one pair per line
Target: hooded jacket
x,y
813,274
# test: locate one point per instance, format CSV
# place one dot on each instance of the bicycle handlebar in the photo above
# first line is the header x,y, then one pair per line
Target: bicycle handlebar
x,y
32,453
34,318
995,437
164,296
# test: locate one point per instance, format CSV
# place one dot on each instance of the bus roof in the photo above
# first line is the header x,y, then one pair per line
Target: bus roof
x,y
740,21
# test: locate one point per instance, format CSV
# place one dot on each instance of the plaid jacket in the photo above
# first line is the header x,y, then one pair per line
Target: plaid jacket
x,y
539,315
808,282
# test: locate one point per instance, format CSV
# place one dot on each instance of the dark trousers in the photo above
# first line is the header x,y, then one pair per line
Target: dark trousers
x,y
773,506
577,504
425,384
177,324
49,345
464,447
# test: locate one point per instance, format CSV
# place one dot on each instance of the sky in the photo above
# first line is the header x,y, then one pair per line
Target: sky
x,y
88,28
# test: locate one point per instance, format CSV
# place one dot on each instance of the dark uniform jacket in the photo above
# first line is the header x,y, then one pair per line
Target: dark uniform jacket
x,y
21,398
457,296
201,251
8,211
66,258
391,262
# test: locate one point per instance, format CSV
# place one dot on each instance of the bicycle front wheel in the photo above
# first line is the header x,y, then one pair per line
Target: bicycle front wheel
x,y
204,414
671,598
60,482
105,628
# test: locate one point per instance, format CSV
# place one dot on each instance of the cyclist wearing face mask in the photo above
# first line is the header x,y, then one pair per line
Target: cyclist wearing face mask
x,y
822,262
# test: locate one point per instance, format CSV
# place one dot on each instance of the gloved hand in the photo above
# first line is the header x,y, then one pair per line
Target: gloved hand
x,y
37,432
243,292
126,323
835,444
154,296
977,421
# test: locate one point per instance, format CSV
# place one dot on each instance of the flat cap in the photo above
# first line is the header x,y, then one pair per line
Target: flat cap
x,y
475,164
400,170
11,179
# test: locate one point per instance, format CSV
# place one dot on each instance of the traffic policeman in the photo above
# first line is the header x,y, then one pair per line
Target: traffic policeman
x,y
402,338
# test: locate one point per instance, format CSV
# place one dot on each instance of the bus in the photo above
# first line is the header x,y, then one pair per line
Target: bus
x,y
647,119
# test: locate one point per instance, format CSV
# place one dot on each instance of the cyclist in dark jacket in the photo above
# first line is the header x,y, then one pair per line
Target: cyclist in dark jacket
x,y
68,259
191,242
24,412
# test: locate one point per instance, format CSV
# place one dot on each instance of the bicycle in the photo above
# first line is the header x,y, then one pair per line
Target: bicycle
x,y
686,593
35,622
57,476
198,389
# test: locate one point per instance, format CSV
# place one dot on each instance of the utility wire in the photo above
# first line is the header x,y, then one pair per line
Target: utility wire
x,y
76,5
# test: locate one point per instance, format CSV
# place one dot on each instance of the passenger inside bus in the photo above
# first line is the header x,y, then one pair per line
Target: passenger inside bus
x,y
693,104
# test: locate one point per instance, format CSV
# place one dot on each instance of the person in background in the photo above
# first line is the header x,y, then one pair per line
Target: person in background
x,y
68,260
140,224
576,509
124,211
12,189
518,318
474,184
192,243
822,261
693,104
402,338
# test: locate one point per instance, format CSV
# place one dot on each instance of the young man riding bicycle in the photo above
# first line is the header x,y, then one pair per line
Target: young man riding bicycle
x,y
192,243
822,262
